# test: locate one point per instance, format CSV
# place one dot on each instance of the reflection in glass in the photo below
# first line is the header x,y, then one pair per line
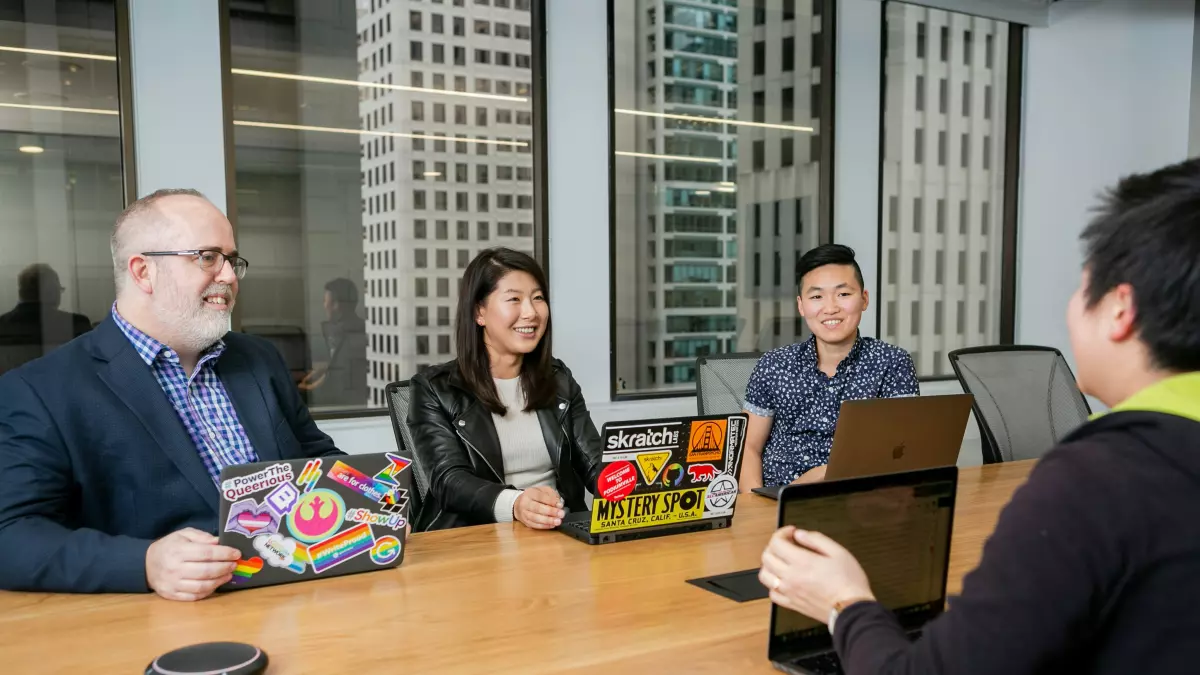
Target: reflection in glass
x,y
926,183
60,157
697,197
364,129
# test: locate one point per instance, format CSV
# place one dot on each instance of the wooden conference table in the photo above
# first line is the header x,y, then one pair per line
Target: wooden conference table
x,y
483,599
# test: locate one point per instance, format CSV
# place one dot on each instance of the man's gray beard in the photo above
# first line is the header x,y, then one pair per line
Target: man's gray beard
x,y
194,327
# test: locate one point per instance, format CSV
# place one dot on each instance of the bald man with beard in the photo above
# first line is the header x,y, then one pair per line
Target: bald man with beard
x,y
111,446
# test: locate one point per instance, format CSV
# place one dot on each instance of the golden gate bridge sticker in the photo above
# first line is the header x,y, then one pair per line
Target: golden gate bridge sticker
x,y
706,441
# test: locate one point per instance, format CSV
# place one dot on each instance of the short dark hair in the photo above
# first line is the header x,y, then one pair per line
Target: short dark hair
x,y
479,281
827,254
1147,234
344,292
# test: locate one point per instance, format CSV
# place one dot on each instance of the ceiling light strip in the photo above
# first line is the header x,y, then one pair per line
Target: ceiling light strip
x,y
58,108
364,132
681,158
712,120
371,85
51,52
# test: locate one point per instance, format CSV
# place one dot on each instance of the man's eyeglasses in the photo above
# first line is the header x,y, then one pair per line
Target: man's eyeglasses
x,y
209,260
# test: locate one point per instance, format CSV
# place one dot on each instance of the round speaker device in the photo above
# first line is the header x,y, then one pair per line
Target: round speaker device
x,y
211,658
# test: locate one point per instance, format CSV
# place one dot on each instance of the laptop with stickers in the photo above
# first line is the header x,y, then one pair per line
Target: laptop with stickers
x,y
314,518
663,477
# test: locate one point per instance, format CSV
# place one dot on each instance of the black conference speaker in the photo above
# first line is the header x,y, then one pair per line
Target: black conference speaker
x,y
228,658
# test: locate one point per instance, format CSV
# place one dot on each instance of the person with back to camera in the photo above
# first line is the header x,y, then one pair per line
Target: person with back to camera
x,y
1094,566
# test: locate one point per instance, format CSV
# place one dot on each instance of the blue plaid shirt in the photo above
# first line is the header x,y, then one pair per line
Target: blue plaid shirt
x,y
200,400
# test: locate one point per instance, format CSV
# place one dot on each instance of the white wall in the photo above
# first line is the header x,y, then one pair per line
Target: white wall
x,y
178,122
856,142
1107,93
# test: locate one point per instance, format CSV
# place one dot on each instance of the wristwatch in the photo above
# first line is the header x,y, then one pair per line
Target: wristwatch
x,y
839,607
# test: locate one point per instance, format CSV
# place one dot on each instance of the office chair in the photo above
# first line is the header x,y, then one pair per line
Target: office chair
x,y
1026,399
721,382
399,396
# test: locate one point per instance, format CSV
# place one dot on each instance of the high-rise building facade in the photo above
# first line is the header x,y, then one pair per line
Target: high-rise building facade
x,y
447,164
943,182
778,167
716,180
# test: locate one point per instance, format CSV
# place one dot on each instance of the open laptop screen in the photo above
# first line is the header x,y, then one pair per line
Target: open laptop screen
x,y
898,527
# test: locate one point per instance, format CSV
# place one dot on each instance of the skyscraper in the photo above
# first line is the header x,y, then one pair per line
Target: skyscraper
x,y
447,164
943,186
716,180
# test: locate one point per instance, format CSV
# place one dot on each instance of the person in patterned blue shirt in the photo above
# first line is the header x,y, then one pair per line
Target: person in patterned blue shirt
x,y
795,392
111,446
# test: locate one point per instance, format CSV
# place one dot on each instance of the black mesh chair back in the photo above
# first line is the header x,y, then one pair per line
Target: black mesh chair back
x,y
721,382
1026,398
399,396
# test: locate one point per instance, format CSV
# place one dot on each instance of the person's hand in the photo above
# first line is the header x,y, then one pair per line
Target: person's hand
x,y
539,508
813,475
809,573
189,565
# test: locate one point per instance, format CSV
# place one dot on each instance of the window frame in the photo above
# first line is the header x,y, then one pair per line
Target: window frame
x,y
1011,158
538,138
824,196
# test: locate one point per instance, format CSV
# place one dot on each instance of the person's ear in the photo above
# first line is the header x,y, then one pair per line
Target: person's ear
x,y
1123,313
139,270
800,305
479,315
866,299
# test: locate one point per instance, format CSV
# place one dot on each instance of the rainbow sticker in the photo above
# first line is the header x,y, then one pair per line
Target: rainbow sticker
x,y
246,569
385,550
309,475
341,547
391,473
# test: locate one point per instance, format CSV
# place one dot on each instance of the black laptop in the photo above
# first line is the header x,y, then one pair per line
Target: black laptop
x,y
663,477
314,518
898,526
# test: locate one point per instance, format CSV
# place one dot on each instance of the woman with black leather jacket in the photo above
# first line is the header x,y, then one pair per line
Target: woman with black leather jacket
x,y
502,431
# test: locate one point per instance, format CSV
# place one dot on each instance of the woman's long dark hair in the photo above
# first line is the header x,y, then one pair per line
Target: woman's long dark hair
x,y
474,365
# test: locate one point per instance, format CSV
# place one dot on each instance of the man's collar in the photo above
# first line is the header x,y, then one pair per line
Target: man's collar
x,y
811,352
149,349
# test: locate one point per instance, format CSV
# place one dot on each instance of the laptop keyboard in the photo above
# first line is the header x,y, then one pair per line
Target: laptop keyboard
x,y
830,664
822,664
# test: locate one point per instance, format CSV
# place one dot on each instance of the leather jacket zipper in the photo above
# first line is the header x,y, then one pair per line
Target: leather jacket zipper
x,y
474,449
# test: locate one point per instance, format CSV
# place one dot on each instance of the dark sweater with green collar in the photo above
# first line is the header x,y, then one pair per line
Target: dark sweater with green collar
x,y
1094,566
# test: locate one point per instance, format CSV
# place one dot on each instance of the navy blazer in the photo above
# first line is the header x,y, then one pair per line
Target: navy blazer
x,y
95,463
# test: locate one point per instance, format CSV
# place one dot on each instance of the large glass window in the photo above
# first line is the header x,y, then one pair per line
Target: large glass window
x,y
967,64
717,168
61,160
350,118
